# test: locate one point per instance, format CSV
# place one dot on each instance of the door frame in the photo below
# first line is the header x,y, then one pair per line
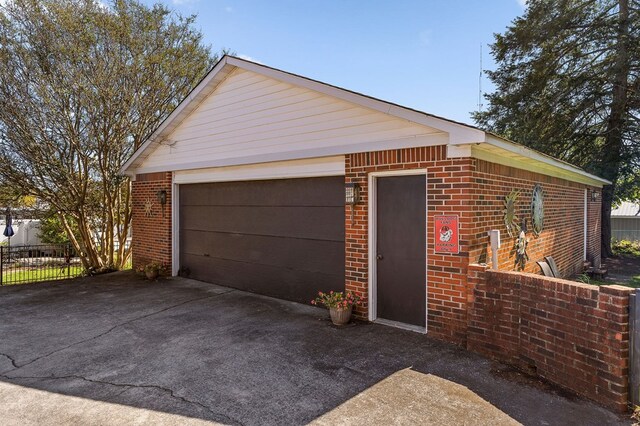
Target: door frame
x,y
175,226
373,240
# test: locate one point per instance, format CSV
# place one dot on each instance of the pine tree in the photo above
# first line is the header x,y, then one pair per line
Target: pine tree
x,y
568,84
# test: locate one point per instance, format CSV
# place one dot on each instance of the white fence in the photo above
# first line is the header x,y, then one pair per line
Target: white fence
x,y
625,228
26,232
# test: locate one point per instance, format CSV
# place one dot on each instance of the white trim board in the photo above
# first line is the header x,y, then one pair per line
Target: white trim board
x,y
372,243
175,228
312,167
434,139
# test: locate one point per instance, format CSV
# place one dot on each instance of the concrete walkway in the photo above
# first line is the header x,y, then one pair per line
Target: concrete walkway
x,y
117,350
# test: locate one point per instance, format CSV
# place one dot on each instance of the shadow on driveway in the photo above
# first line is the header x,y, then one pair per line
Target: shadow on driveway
x,y
114,349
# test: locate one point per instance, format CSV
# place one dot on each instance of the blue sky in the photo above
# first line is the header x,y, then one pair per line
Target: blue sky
x,y
421,54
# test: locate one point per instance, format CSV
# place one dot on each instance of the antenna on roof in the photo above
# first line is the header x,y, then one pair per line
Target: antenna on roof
x,y
480,82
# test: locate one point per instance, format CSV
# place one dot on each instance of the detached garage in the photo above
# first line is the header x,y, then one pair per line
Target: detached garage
x,y
270,182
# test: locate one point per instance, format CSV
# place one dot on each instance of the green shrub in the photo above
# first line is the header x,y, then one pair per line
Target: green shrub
x,y
626,248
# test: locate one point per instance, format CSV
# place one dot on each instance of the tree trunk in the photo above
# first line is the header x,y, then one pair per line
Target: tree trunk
x,y
612,155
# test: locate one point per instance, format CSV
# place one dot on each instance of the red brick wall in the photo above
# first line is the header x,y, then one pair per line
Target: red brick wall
x,y
575,335
475,190
563,233
151,235
448,182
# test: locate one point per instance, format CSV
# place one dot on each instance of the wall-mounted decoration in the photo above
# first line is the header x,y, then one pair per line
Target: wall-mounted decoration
x,y
521,251
510,216
148,207
537,210
446,234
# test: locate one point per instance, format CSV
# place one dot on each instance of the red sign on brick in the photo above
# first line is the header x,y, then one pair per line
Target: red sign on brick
x,y
446,234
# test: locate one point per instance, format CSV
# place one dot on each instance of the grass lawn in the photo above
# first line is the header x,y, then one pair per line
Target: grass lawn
x,y
634,283
28,275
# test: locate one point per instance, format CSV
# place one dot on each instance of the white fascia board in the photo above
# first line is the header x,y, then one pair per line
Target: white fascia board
x,y
188,104
458,133
409,142
529,159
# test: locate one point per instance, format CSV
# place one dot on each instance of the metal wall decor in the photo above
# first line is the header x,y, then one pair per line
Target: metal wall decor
x,y
522,257
510,217
148,207
537,210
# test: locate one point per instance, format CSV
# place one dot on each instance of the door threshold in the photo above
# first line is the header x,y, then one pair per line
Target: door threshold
x,y
402,325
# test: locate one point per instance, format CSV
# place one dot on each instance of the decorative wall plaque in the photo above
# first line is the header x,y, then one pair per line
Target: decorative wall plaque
x,y
446,233
537,210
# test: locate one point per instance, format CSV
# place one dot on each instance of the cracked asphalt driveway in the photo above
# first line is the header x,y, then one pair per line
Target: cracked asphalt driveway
x,y
114,349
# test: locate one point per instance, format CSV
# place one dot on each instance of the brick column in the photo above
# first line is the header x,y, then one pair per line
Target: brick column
x,y
151,225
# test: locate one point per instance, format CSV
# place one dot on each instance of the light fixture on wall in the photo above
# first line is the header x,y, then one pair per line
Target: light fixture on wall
x,y
161,195
594,195
352,197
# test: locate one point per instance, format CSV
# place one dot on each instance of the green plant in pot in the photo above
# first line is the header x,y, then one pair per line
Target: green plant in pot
x,y
152,270
340,305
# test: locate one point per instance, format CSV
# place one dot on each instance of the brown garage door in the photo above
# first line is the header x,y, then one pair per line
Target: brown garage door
x,y
282,238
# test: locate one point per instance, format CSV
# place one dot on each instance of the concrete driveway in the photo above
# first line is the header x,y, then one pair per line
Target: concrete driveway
x,y
115,349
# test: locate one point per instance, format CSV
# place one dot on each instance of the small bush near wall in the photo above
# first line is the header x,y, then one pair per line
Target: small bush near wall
x,y
626,248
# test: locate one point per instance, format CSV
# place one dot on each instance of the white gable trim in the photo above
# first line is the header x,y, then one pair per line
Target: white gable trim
x,y
457,133
207,85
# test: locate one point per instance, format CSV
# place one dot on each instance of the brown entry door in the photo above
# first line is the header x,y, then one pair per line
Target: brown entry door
x,y
401,249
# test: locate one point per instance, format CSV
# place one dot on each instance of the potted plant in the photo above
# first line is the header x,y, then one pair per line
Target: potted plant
x,y
340,305
151,270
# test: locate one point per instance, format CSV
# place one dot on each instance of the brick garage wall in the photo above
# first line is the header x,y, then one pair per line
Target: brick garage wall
x,y
563,233
151,235
448,185
573,334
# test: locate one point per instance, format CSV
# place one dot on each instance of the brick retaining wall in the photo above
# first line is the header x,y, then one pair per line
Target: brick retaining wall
x,y
572,334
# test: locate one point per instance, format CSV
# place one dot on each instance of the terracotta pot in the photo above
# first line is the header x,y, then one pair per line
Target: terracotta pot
x,y
152,274
340,316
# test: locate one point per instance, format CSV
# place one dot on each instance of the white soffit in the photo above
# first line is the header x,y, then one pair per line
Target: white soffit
x,y
507,153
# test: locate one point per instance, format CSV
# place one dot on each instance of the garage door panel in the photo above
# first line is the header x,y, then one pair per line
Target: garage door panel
x,y
324,223
282,238
312,256
290,284
281,192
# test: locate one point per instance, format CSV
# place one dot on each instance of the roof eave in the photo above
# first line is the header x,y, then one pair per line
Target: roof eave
x,y
184,108
532,154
